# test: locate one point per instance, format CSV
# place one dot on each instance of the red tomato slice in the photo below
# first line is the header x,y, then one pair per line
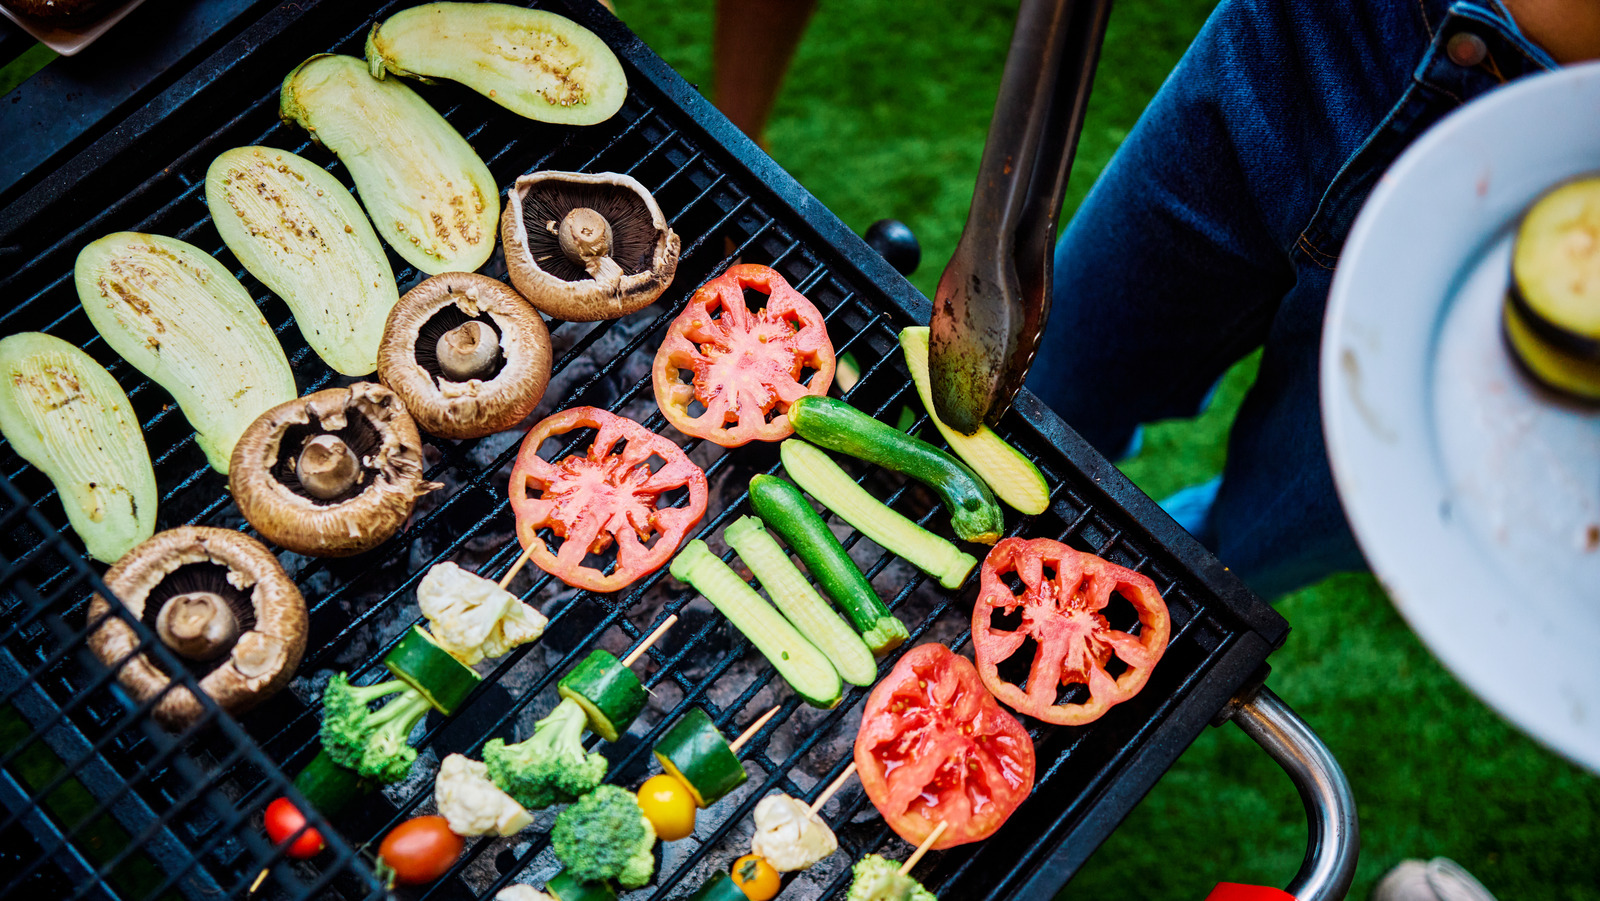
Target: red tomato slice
x,y
746,366
935,747
608,496
1064,592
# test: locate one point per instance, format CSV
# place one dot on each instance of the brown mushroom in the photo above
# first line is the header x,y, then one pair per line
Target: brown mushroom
x,y
331,474
467,355
221,601
583,247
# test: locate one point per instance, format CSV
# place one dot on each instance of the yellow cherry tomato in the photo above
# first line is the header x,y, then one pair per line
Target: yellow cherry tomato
x,y
668,806
757,878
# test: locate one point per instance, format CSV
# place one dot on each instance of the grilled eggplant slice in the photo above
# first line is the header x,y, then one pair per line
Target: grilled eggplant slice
x,y
536,64
66,415
1551,314
180,318
301,233
427,192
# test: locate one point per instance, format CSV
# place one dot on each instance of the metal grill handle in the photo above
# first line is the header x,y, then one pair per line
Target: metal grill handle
x,y
1335,839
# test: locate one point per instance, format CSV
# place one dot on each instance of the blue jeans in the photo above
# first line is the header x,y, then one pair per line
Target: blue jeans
x,y
1216,229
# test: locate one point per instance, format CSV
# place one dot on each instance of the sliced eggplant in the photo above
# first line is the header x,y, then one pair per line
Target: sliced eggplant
x,y
301,233
427,192
1552,312
536,64
66,415
180,318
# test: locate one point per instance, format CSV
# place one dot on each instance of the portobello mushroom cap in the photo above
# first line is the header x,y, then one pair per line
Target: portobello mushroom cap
x,y
583,247
220,600
330,474
467,355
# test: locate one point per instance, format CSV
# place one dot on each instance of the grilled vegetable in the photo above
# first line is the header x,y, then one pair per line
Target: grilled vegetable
x,y
799,602
66,415
756,878
421,663
1552,312
797,660
536,64
789,835
427,192
694,752
551,766
837,426
668,804
180,318
328,786
284,823
473,618
786,511
813,470
719,887
609,693
301,233
604,835
877,878
471,803
565,888
1012,476
420,850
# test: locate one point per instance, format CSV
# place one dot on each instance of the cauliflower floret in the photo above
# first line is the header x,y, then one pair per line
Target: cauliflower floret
x,y
472,804
520,892
472,617
789,835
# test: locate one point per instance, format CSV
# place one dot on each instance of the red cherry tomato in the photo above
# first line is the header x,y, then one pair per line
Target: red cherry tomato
x,y
935,747
1062,613
282,820
605,497
746,366
420,850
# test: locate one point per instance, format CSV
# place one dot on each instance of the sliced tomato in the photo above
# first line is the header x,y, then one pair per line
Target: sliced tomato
x,y
935,747
746,365
1064,592
609,496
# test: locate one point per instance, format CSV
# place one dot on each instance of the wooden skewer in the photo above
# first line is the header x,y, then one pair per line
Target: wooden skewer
x,y
260,878
834,787
516,567
927,843
649,640
751,730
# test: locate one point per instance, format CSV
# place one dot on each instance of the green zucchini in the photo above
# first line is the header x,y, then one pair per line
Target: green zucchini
x,y
565,888
330,787
536,64
837,426
180,318
301,233
719,887
419,662
66,415
798,601
813,470
430,196
609,693
797,660
694,752
786,511
1012,476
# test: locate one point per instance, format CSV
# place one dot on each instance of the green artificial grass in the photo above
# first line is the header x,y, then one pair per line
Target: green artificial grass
x,y
884,115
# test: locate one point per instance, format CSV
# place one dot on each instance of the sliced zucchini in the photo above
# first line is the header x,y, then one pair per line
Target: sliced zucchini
x,y
718,887
609,693
536,64
694,752
301,233
1012,476
799,602
330,787
427,192
419,662
66,415
563,887
180,318
797,660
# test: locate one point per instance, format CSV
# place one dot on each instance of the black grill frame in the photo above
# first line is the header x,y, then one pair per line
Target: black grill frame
x,y
153,166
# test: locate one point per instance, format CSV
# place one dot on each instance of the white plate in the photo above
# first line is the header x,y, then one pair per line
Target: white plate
x,y
68,41
1474,494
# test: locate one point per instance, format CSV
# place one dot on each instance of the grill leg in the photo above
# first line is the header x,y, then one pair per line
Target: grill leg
x,y
1335,839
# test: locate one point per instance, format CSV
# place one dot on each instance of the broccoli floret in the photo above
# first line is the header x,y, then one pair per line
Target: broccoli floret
x,y
878,879
550,767
371,742
605,835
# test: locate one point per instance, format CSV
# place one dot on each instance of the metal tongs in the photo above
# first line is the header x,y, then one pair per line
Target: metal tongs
x,y
994,297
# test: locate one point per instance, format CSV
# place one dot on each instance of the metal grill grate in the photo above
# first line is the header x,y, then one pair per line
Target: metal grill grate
x,y
190,802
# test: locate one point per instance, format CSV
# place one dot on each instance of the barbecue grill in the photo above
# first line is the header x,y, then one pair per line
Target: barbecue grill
x,y
100,802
